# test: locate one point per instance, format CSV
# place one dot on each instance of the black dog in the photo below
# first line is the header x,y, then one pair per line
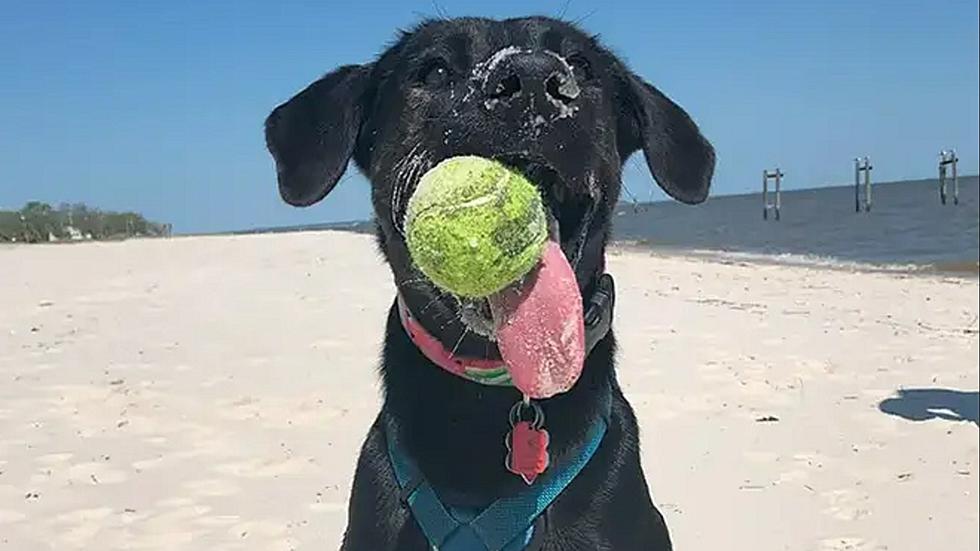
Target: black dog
x,y
547,99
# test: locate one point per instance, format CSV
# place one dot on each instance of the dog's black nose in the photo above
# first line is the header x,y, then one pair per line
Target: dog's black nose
x,y
529,75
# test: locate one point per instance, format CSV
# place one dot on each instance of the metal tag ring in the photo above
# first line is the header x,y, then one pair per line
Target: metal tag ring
x,y
520,406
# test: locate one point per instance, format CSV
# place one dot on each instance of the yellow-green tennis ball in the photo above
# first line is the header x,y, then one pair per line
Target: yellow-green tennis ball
x,y
474,226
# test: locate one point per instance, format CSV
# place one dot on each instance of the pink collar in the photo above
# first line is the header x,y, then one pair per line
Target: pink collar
x,y
479,370
598,322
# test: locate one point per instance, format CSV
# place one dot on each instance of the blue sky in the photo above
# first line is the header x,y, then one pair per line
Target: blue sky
x,y
158,106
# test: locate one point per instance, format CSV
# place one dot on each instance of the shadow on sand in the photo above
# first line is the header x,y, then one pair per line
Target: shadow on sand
x,y
922,404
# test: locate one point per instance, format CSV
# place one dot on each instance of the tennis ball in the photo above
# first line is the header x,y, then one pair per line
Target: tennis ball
x,y
474,226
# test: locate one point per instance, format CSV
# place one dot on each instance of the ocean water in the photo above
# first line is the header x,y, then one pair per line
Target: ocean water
x,y
907,228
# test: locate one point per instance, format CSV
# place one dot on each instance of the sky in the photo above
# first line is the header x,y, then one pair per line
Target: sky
x,y
158,107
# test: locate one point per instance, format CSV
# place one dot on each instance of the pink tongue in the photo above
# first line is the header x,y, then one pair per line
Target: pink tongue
x,y
540,331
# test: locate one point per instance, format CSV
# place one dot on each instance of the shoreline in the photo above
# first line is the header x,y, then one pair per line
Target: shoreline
x,y
965,268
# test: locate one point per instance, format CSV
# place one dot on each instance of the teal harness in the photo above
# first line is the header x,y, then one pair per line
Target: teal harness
x,y
506,524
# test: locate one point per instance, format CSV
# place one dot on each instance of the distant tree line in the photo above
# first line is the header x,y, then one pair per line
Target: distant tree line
x,y
39,222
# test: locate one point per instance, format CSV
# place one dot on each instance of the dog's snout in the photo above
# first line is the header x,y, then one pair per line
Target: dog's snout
x,y
529,75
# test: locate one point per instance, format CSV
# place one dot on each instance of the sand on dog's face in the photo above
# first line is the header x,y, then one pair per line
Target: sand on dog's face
x,y
212,393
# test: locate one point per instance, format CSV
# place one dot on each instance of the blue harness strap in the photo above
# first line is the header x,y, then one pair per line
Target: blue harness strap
x,y
506,524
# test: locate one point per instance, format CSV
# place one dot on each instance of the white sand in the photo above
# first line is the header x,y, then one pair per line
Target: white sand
x,y
212,393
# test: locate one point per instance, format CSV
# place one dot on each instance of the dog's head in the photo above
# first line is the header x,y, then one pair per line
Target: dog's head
x,y
536,93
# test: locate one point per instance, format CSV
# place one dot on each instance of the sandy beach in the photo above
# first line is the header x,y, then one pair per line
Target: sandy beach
x,y
211,393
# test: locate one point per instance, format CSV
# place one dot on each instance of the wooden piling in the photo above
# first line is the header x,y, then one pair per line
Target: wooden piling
x,y
862,166
776,206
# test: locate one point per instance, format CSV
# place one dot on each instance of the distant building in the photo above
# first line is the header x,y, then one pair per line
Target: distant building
x,y
74,234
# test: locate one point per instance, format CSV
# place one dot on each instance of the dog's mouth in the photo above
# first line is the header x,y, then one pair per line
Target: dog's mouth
x,y
569,206
569,210
535,326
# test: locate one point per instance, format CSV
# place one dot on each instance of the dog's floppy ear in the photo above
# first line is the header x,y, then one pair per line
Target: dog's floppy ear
x,y
312,136
679,157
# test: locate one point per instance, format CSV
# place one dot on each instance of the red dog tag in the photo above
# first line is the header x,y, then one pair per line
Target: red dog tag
x,y
528,451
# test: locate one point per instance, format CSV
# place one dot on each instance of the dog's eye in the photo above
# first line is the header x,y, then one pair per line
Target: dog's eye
x,y
434,75
580,67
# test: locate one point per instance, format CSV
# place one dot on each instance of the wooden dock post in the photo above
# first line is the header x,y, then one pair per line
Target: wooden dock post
x,y
862,165
948,158
765,195
777,177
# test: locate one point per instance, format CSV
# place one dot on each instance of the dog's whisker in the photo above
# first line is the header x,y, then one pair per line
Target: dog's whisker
x,y
564,10
409,174
580,20
400,165
441,11
419,280
458,313
421,166
450,321
439,295
420,283
459,341
401,169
